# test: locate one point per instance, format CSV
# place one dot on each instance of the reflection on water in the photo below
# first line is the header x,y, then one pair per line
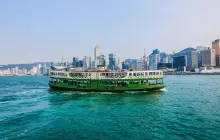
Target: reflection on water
x,y
62,97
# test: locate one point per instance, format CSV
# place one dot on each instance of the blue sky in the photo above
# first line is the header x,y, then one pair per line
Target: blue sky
x,y
46,30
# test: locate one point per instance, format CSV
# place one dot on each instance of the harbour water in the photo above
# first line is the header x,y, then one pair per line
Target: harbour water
x,y
189,108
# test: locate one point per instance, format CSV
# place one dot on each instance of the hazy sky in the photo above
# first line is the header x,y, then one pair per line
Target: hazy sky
x,y
46,30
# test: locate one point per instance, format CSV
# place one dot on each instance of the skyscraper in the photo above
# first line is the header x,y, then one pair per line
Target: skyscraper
x,y
74,63
199,50
208,58
154,60
163,57
87,62
192,60
145,59
96,52
216,47
112,61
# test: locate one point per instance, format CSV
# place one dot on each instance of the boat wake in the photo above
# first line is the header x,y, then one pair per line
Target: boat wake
x,y
163,89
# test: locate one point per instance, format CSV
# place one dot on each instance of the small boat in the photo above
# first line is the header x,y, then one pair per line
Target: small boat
x,y
105,81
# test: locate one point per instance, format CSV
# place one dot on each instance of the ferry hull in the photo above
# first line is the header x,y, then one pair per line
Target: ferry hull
x,y
69,88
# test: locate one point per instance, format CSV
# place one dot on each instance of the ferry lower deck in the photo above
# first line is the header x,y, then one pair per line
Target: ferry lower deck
x,y
107,85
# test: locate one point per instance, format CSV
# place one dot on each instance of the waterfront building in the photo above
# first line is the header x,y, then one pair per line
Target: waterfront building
x,y
45,69
192,60
179,62
16,71
180,59
79,63
131,64
166,61
154,59
93,65
208,58
163,58
216,47
74,63
101,60
139,65
106,62
170,58
145,62
112,61
87,62
38,69
162,66
125,65
119,64
97,52
34,70
199,50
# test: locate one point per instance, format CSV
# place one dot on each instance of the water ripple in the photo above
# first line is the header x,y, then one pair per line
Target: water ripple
x,y
187,109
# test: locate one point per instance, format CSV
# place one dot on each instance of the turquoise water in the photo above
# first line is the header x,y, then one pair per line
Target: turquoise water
x,y
189,109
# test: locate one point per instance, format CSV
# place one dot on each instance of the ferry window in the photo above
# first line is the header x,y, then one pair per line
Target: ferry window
x,y
134,74
142,74
157,73
138,74
151,73
124,74
130,74
102,74
146,73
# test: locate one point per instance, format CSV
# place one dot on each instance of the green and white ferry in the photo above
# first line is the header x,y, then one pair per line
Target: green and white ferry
x,y
101,80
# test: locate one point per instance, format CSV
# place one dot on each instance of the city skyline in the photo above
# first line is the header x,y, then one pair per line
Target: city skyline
x,y
38,31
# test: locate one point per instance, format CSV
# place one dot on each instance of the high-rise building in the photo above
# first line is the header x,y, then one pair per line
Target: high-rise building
x,y
199,50
139,65
106,62
154,59
45,69
16,70
180,59
145,61
34,70
39,69
93,65
112,61
163,58
192,60
97,52
74,63
79,63
208,58
170,58
87,62
130,64
216,47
